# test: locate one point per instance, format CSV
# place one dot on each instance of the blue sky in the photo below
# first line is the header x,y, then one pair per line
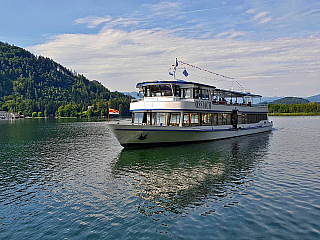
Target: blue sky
x,y
271,47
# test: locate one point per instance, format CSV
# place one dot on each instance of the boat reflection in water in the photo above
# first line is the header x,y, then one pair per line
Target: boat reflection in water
x,y
173,179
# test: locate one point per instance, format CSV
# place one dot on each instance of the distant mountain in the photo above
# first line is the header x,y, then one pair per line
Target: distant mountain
x,y
290,100
269,99
30,83
132,94
315,98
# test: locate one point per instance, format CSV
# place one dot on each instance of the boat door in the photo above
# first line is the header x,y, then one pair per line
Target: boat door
x,y
234,119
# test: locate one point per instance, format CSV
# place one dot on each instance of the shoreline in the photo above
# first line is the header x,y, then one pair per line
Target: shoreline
x,y
293,114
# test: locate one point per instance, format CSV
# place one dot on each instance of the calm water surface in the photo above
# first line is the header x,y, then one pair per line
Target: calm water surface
x,y
65,179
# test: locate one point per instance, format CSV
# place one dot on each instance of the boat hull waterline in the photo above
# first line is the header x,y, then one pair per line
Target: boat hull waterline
x,y
131,135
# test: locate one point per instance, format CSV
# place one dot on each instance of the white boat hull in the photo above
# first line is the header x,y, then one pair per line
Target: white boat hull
x,y
130,135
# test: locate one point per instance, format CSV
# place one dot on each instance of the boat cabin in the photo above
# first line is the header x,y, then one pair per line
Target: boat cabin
x,y
191,90
194,104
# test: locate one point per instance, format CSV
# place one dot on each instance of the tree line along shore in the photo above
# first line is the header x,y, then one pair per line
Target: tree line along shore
x,y
298,109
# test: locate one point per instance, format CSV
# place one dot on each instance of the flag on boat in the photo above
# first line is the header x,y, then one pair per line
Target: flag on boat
x,y
185,72
113,111
170,71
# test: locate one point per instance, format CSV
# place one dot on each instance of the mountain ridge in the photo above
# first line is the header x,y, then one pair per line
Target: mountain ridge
x,y
30,83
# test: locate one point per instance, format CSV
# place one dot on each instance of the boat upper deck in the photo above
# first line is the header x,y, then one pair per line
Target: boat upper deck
x,y
180,90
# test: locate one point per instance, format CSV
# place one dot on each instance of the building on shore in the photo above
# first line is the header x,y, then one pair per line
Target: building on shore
x,y
9,115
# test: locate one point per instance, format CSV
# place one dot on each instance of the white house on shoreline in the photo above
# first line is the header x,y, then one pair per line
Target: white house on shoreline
x,y
9,115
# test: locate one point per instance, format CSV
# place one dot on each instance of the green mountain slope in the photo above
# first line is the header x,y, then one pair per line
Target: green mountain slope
x,y
30,83
290,100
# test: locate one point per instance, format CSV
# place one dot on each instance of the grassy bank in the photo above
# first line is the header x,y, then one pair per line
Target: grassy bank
x,y
294,114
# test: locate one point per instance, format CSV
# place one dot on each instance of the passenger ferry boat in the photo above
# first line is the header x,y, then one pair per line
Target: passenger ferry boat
x,y
178,111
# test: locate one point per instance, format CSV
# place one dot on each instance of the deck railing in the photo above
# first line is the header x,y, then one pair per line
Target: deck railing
x,y
188,99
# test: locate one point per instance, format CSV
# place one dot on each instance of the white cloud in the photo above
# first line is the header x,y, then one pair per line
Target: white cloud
x,y
123,22
230,34
120,59
162,7
222,34
265,20
93,22
251,10
260,15
310,12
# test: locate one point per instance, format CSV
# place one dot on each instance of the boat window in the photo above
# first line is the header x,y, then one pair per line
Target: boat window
x,y
186,119
166,90
194,119
205,94
226,119
160,90
155,91
177,91
146,91
205,119
137,117
197,93
220,117
209,119
186,93
242,118
255,118
175,119
214,119
160,119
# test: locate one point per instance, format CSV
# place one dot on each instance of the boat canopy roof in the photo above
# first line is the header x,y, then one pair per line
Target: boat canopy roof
x,y
225,93
229,93
173,82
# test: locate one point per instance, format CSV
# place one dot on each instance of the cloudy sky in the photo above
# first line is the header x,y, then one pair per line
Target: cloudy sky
x,y
270,47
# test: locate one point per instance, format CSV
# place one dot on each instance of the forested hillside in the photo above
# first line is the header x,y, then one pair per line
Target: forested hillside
x,y
290,100
311,107
30,83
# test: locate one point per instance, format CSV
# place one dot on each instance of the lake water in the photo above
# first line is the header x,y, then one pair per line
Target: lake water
x,y
67,179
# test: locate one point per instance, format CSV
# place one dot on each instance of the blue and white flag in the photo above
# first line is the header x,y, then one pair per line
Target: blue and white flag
x,y
185,73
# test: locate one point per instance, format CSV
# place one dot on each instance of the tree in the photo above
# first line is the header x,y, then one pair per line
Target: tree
x,y
89,112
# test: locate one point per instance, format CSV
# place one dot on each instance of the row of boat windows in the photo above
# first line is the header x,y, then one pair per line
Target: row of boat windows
x,y
195,119
166,90
195,93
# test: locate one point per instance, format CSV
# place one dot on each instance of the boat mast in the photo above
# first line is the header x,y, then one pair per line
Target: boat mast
x,y
175,69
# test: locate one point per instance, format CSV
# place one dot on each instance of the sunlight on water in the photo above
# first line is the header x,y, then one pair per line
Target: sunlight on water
x,y
71,179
